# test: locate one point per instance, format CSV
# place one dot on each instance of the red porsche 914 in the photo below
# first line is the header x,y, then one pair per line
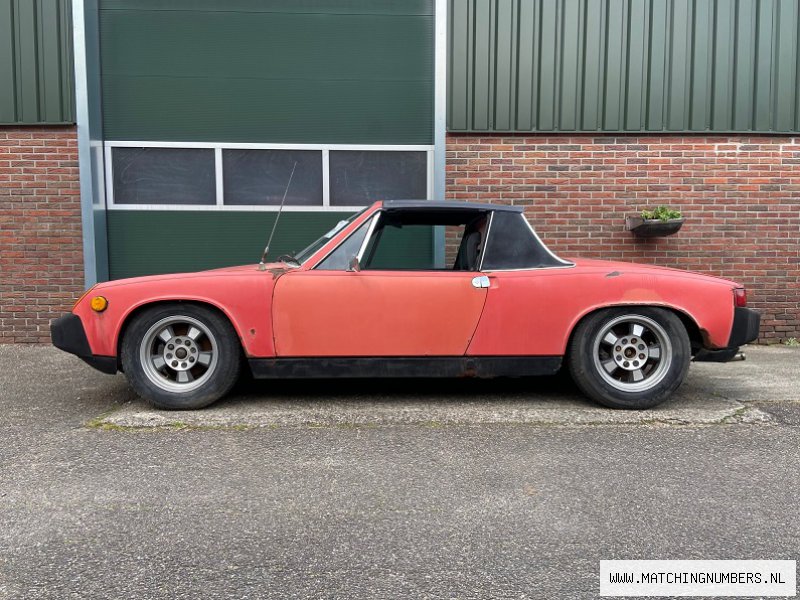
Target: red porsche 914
x,y
367,300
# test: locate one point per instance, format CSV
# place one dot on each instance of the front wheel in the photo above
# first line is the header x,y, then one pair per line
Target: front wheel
x,y
632,357
181,356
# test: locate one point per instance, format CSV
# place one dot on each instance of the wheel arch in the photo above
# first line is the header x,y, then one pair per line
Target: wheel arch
x,y
138,310
693,330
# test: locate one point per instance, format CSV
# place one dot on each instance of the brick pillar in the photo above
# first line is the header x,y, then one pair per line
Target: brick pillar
x,y
41,258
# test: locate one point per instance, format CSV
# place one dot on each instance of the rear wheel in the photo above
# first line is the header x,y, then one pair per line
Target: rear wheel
x,y
181,357
630,357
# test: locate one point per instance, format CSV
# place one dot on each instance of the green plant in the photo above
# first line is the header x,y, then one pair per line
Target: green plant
x,y
662,212
792,342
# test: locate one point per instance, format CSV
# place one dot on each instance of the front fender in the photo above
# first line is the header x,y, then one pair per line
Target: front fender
x,y
245,300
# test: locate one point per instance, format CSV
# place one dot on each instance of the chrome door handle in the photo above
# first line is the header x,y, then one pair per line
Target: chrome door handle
x,y
481,281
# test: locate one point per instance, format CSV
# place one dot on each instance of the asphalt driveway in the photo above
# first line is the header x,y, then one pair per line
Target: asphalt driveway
x,y
435,489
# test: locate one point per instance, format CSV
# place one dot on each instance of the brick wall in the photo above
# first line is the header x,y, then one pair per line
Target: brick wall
x,y
41,261
740,196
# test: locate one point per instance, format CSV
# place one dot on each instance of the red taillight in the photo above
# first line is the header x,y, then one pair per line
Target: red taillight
x,y
740,297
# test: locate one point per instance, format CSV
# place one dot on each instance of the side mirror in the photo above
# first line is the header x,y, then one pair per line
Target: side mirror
x,y
354,265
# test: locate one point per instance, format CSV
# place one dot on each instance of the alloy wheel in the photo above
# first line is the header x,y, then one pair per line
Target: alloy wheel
x,y
179,353
632,353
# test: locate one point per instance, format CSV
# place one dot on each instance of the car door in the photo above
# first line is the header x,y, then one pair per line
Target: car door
x,y
379,311
375,313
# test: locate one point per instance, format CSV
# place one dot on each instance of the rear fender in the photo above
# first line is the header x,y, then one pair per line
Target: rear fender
x,y
534,313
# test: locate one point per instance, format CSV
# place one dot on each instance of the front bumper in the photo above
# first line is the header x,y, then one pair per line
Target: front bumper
x,y
67,334
746,324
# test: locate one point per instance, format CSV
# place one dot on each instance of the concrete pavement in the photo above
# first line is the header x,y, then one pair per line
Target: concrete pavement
x,y
345,490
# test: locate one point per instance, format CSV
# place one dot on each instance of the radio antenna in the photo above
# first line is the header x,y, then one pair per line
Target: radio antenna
x,y
261,266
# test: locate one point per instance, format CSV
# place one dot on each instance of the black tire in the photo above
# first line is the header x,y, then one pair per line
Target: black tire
x,y
203,348
642,368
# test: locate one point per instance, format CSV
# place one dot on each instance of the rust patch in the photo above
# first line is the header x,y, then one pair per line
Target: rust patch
x,y
274,271
706,339
470,369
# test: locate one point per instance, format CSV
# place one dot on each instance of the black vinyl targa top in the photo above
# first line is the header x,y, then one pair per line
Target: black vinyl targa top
x,y
509,244
437,205
512,244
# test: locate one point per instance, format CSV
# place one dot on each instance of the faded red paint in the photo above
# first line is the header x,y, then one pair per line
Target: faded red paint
x,y
243,294
303,312
533,312
376,313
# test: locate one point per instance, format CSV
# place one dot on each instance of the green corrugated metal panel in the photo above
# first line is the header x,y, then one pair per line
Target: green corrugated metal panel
x,y
36,62
624,65
335,71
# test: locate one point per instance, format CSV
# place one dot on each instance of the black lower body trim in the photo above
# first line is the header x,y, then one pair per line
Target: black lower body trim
x,y
723,355
67,334
413,366
104,364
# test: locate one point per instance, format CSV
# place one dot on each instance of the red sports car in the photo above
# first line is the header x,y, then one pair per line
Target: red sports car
x,y
419,289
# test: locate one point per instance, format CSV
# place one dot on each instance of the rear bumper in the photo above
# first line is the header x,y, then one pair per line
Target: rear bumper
x,y
746,324
67,334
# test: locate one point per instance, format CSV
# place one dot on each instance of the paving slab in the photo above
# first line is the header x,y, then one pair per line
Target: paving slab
x,y
276,413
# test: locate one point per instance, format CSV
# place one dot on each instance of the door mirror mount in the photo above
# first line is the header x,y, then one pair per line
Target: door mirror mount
x,y
354,264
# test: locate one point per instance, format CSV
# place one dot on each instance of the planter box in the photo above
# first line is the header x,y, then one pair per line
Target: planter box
x,y
649,228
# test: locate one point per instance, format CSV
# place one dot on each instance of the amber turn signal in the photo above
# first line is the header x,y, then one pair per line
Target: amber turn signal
x,y
99,304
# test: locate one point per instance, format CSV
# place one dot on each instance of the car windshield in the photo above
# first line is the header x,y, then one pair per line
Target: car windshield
x,y
309,251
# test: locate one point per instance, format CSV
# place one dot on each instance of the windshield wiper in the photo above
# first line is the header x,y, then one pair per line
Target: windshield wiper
x,y
289,259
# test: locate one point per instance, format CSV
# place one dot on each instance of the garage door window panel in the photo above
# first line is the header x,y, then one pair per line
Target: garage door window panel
x,y
161,176
261,177
360,177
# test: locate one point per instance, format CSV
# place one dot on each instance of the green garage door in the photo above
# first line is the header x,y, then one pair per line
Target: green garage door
x,y
211,107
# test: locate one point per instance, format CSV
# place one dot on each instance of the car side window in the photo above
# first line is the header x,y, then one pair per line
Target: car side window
x,y
339,259
472,242
406,241
405,248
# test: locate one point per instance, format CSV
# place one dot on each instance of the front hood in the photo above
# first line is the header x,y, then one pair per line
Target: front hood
x,y
274,270
607,267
